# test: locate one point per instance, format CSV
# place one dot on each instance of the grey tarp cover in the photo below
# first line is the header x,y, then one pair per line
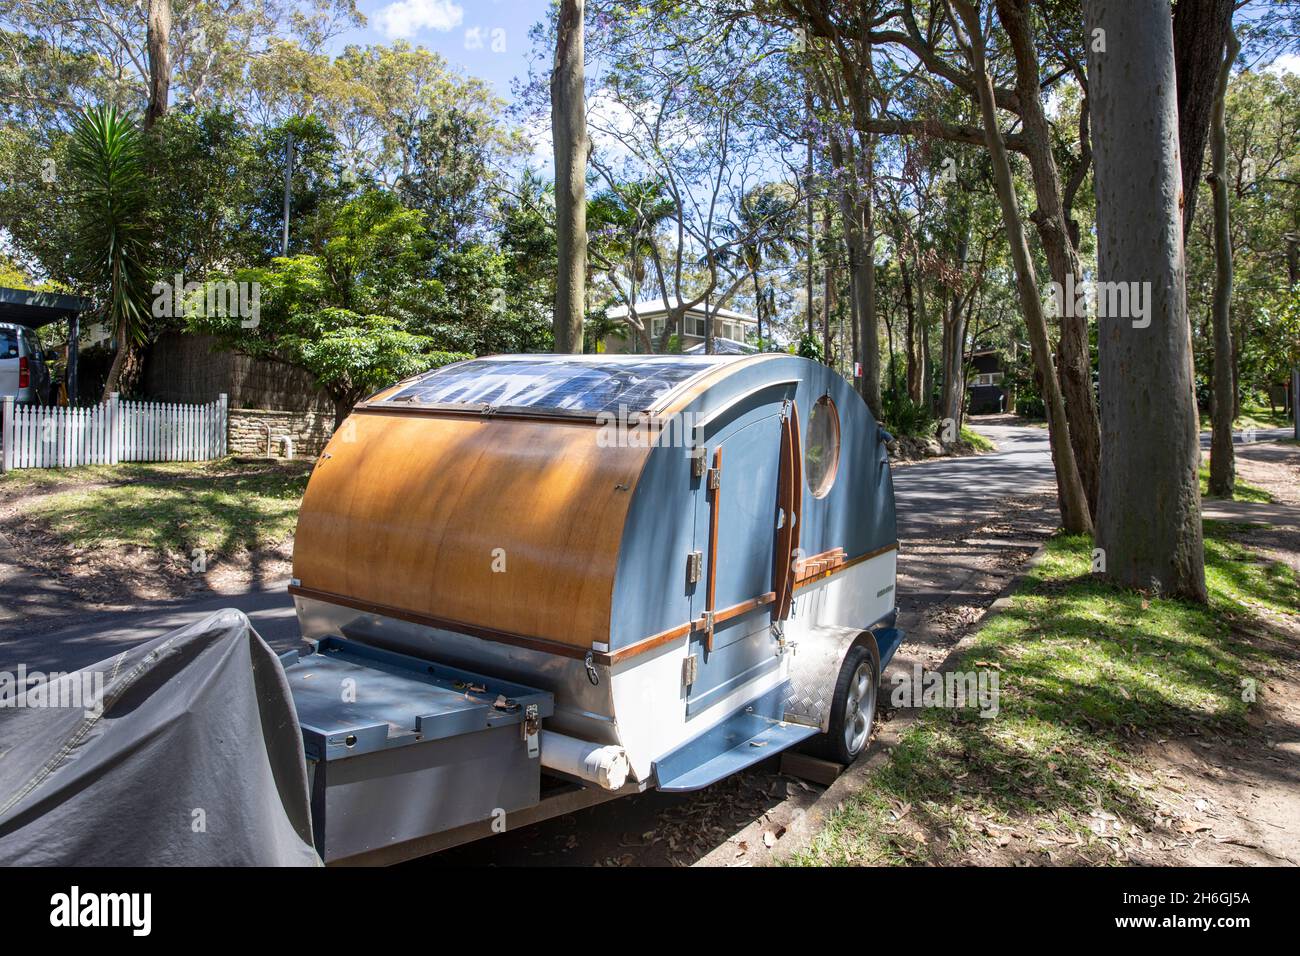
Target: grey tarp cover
x,y
196,759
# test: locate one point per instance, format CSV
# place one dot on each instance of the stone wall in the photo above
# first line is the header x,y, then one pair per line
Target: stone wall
x,y
309,431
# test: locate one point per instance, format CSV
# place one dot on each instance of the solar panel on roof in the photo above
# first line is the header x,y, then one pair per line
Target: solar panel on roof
x,y
579,384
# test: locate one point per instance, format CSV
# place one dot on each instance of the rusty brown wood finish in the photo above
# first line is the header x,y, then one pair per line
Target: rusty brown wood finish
x,y
816,564
406,511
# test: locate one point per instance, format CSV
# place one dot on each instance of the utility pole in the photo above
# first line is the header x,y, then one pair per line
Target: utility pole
x,y
288,181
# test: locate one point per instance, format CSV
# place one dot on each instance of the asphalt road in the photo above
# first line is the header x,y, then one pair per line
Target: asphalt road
x,y
930,495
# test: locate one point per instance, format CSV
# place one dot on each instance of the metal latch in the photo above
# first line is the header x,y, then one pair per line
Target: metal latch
x,y
532,727
694,566
690,670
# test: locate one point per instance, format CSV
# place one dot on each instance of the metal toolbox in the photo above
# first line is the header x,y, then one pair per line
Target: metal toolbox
x,y
400,747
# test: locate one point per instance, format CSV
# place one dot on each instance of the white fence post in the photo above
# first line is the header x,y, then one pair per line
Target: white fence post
x,y
114,428
223,426
7,434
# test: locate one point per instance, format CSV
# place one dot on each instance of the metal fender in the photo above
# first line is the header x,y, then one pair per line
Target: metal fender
x,y
816,657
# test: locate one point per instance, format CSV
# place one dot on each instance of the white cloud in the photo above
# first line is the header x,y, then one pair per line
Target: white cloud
x,y
1286,63
405,18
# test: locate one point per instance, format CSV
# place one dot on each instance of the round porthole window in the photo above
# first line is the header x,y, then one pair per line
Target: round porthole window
x,y
822,454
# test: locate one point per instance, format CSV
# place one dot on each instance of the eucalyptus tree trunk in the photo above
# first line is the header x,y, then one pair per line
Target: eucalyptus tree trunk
x,y
569,133
1074,357
1149,508
954,373
869,331
158,42
858,214
1222,461
913,373
1200,29
830,287
927,367
1075,514
953,353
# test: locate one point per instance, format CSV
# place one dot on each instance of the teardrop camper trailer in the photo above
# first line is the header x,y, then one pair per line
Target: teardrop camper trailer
x,y
634,571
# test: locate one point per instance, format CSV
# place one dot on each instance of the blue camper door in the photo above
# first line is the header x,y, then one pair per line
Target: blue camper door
x,y
738,521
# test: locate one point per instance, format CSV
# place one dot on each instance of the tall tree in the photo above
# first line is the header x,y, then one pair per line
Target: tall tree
x,y
1075,514
1201,30
1074,357
897,26
1222,463
158,41
569,133
1149,508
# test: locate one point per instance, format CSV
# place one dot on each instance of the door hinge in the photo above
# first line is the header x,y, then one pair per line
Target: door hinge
x,y
699,457
705,626
694,566
715,478
690,670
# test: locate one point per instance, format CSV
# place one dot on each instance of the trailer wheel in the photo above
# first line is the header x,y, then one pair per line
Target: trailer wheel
x,y
853,708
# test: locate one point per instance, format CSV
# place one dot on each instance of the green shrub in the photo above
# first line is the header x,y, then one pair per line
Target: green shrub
x,y
906,417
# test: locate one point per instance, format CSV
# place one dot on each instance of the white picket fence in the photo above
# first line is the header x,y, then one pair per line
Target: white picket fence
x,y
38,436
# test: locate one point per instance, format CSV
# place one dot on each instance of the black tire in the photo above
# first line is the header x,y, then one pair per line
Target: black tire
x,y
851,703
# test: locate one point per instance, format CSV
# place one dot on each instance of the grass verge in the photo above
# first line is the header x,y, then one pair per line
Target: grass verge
x,y
976,440
1253,416
1089,676
171,508
1240,490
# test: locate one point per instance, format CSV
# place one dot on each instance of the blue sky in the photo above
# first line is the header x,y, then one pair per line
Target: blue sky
x,y
489,38
484,38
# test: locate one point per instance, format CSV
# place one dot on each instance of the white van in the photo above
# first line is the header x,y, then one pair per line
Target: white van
x,y
23,372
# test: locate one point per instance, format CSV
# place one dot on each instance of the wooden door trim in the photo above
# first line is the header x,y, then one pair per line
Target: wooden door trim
x,y
715,509
790,499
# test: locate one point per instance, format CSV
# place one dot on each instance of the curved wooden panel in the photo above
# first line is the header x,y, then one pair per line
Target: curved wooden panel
x,y
407,510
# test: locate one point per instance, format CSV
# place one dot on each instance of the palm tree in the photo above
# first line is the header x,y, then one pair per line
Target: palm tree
x,y
110,202
763,222
622,222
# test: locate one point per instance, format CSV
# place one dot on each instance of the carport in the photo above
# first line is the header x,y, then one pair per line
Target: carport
x,y
37,309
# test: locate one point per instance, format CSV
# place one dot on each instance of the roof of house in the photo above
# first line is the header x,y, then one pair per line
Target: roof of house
x,y
723,346
653,308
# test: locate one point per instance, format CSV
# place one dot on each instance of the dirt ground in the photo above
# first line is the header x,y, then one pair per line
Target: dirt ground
x,y
125,576
1237,800
49,580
